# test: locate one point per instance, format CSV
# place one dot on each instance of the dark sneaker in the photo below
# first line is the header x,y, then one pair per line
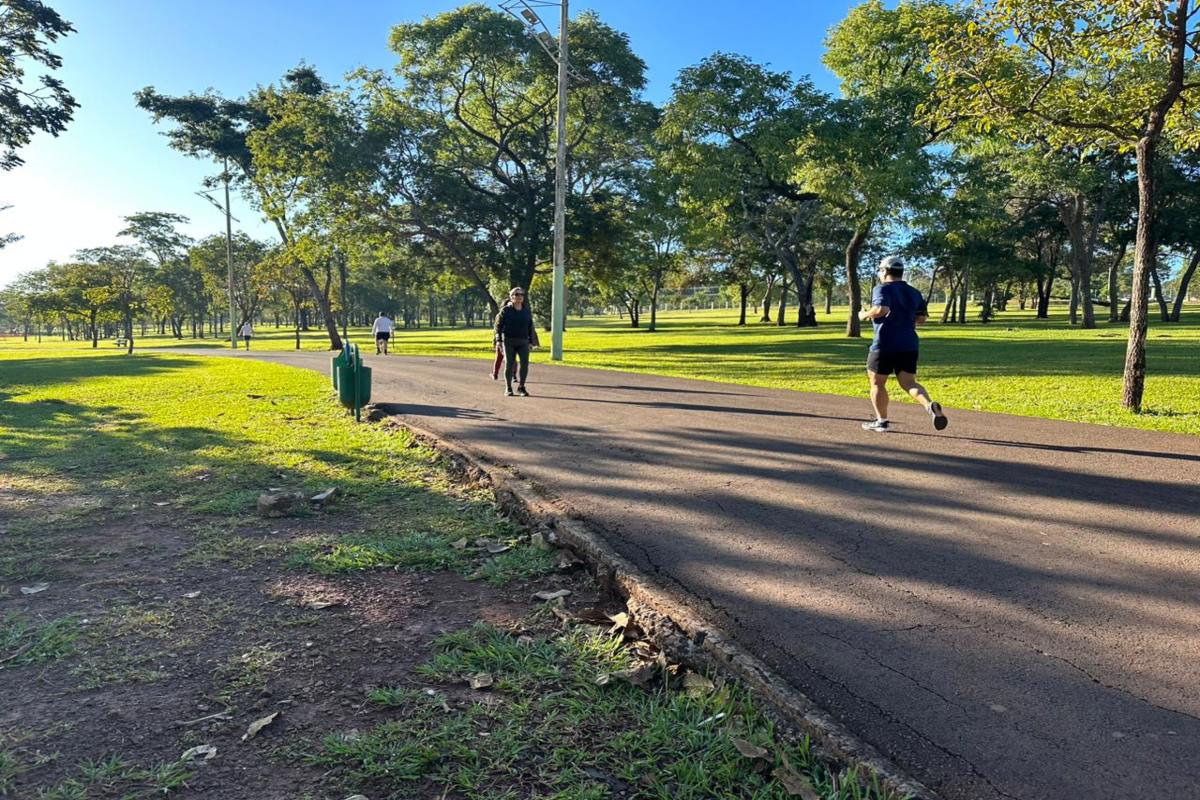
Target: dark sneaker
x,y
521,391
939,417
878,426
508,392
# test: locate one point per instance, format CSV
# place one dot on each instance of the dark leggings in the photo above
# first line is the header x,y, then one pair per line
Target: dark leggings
x,y
515,349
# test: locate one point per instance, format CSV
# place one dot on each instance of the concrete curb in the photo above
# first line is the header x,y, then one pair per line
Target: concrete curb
x,y
659,610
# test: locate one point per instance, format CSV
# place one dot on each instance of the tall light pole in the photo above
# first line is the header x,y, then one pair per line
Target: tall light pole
x,y
228,246
229,252
524,11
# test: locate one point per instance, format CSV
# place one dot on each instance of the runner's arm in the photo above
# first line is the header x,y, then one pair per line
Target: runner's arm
x,y
874,312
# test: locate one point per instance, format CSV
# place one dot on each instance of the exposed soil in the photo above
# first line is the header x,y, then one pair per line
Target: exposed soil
x,y
175,628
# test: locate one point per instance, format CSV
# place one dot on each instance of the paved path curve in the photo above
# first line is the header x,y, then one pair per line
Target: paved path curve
x,y
1009,609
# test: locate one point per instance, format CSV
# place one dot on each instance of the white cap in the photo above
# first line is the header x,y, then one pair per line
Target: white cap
x,y
892,262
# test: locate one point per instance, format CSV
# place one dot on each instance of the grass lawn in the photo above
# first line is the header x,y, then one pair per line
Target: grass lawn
x,y
386,644
1016,364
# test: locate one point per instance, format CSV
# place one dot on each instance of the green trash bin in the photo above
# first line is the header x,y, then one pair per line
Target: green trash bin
x,y
337,361
346,386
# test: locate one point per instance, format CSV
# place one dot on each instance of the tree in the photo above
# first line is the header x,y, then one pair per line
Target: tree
x,y
733,140
129,273
88,290
208,259
210,126
869,158
27,30
463,142
1098,74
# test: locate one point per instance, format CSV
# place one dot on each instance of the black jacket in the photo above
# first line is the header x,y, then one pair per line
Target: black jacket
x,y
514,323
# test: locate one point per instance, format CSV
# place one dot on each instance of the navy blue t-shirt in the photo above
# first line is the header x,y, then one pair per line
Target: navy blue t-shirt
x,y
897,332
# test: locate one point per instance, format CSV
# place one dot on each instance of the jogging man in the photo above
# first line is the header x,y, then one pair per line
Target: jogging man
x,y
896,311
514,327
246,332
382,329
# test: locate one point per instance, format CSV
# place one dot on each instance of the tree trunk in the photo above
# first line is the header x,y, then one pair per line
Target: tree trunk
x,y
781,317
744,298
654,303
806,312
1163,313
1184,281
1114,272
96,328
322,301
766,301
1074,309
964,290
1144,256
950,307
853,256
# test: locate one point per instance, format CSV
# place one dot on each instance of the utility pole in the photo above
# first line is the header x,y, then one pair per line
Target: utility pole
x,y
524,11
229,253
558,301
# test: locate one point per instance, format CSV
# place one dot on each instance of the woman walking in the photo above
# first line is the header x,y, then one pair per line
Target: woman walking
x,y
515,329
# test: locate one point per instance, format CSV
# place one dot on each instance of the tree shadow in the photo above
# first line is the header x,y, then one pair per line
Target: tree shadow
x,y
1033,610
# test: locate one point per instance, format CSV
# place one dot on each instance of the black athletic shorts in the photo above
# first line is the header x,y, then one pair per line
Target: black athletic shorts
x,y
888,363
383,336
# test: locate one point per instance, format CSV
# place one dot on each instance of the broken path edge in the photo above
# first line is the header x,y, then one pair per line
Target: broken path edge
x,y
661,610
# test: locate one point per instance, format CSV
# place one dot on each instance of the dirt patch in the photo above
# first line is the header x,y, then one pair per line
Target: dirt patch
x,y
175,643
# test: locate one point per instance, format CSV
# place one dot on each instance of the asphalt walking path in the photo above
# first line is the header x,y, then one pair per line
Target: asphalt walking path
x,y
1008,609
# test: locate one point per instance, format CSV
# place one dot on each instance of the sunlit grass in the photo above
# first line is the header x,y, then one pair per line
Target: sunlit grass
x,y
1016,364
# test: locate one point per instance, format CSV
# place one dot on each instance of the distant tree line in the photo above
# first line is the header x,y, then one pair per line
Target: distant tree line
x,y
1019,152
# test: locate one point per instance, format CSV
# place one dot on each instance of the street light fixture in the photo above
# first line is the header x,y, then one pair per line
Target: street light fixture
x,y
524,11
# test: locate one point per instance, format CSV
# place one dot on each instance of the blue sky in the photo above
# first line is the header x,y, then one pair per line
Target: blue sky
x,y
74,189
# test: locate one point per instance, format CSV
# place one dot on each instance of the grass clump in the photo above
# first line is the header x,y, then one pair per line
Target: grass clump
x,y
115,777
24,642
551,727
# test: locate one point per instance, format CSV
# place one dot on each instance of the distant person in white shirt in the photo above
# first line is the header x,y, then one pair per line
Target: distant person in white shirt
x,y
246,332
382,329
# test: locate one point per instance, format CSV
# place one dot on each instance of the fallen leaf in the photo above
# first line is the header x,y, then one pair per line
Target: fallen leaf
x,y
461,544
258,725
603,678
255,396
749,750
317,605
35,588
638,676
357,797
321,498
796,784
695,684
538,541
620,621
205,750
496,549
548,596
163,503
192,595
481,681
566,560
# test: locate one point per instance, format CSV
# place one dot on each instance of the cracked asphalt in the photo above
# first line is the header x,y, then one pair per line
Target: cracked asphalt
x,y
1008,609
